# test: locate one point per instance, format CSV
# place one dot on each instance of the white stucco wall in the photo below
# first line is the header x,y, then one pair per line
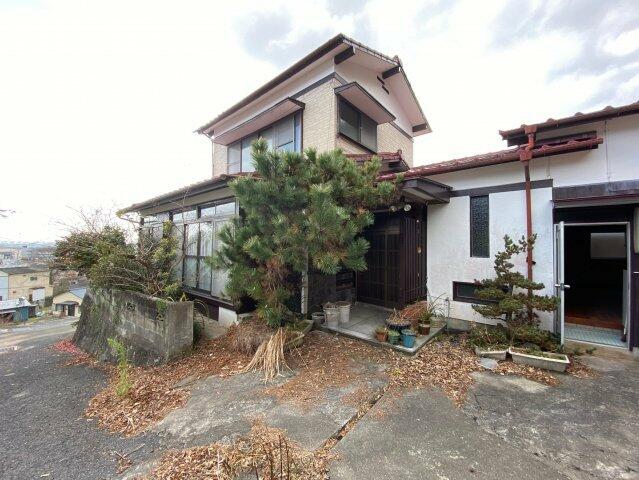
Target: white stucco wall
x,y
448,247
448,250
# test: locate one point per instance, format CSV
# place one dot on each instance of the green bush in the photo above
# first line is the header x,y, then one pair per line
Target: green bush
x,y
484,336
124,382
544,339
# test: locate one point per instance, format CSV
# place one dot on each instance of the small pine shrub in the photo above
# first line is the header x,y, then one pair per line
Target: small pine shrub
x,y
124,382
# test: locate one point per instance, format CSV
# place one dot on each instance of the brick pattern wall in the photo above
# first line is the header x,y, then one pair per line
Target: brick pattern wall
x,y
219,159
319,122
389,139
319,130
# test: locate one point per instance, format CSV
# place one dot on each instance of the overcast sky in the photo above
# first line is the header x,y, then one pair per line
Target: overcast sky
x,y
99,99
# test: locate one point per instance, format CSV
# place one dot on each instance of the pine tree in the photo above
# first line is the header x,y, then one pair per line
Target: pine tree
x,y
298,211
510,294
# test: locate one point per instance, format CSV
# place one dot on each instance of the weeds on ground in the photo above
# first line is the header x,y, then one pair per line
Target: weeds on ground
x,y
124,382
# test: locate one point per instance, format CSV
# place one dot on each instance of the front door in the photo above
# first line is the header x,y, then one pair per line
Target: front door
x,y
560,278
379,284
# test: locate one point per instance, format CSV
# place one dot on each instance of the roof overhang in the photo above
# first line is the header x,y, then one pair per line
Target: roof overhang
x,y
619,191
517,136
425,190
357,95
177,197
397,81
271,115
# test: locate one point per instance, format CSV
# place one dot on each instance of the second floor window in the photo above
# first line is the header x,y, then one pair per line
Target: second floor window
x,y
284,135
357,126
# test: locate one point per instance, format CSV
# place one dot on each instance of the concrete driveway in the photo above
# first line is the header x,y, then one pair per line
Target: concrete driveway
x,y
43,433
510,427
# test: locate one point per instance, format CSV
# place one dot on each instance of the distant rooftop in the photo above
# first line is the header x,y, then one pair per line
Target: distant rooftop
x,y
23,270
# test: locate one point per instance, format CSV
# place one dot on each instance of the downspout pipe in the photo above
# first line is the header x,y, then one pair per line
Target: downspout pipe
x,y
525,156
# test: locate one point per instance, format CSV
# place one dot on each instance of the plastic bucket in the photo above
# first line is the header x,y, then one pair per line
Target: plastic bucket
x,y
331,314
408,338
318,318
344,311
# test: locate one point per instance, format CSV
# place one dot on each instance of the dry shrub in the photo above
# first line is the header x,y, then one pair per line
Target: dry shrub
x,y
247,336
415,310
269,357
265,453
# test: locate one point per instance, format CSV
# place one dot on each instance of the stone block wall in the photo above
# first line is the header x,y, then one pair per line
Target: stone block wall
x,y
154,331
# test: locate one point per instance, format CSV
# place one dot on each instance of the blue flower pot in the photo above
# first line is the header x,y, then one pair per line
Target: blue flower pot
x,y
408,338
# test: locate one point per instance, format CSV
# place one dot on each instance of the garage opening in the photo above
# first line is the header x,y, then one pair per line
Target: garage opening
x,y
596,270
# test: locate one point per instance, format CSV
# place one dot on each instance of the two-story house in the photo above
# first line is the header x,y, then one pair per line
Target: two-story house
x,y
573,182
342,95
31,283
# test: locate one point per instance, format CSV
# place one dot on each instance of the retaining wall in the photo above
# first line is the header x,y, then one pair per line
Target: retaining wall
x,y
153,330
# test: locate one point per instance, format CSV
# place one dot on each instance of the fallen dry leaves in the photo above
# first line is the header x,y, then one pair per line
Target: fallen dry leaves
x,y
325,362
153,393
79,357
531,373
447,365
265,452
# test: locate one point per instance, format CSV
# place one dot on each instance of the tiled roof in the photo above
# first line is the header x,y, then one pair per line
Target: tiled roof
x,y
576,119
301,64
383,156
496,158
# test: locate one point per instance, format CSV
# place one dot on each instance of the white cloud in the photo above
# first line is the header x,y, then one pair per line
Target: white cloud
x,y
99,99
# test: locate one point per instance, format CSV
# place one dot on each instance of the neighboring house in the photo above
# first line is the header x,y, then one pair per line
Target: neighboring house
x,y
16,310
9,255
577,177
32,283
69,303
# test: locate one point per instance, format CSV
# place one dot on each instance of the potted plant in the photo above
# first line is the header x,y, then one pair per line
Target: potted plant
x,y
424,328
557,362
397,321
490,342
408,337
393,337
381,333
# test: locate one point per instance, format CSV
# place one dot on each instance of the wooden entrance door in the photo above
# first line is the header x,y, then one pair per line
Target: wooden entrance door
x,y
379,284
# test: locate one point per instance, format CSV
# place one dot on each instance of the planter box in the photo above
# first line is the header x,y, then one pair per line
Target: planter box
x,y
494,354
557,364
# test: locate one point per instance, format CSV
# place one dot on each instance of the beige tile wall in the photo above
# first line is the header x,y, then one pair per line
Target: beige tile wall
x,y
319,129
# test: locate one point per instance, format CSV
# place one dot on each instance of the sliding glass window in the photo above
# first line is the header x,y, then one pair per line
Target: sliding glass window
x,y
357,125
284,135
198,236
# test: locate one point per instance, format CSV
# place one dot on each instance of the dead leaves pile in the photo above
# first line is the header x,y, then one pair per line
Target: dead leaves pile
x,y
324,362
264,452
79,357
446,365
531,373
154,394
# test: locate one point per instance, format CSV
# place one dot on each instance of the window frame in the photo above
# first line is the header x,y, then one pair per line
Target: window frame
x,y
360,114
473,253
199,256
466,299
297,141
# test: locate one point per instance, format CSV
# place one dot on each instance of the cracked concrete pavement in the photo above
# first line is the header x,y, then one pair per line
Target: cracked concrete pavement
x,y
585,427
510,427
